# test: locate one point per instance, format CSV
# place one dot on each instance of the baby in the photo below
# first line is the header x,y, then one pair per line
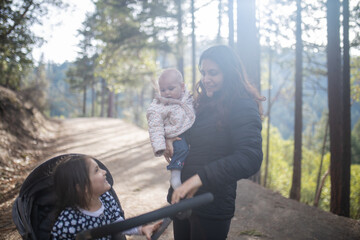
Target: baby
x,y
170,114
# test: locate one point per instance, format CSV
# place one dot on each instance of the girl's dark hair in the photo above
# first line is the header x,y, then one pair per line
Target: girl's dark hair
x,y
72,182
235,85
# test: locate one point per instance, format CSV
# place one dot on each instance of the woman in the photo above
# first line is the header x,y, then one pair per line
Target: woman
x,y
225,144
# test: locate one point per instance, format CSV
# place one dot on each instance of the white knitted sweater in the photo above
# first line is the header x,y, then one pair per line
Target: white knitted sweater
x,y
168,118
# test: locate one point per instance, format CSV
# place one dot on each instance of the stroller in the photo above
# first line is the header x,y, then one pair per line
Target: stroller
x,y
34,209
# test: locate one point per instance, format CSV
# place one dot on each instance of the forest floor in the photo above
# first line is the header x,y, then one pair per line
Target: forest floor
x,y
141,180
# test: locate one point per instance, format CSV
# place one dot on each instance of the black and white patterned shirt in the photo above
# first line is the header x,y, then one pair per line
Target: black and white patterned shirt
x,y
74,220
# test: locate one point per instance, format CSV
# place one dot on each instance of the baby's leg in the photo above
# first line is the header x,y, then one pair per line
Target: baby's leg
x,y
175,179
181,150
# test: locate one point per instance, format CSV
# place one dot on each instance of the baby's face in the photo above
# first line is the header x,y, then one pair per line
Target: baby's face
x,y
170,87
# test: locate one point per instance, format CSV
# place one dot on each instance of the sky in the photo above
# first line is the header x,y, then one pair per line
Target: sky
x,y
59,30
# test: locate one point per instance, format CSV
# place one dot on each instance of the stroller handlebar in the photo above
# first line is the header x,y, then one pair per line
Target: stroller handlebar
x,y
146,218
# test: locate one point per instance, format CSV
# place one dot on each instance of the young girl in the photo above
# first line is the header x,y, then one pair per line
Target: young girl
x,y
170,115
84,201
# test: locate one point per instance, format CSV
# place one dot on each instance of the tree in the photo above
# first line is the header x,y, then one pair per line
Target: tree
x,y
296,179
180,38
347,113
231,22
268,119
248,45
193,47
218,37
16,38
339,183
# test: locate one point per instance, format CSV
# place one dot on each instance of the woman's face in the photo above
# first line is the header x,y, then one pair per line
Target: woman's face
x,y
98,182
211,76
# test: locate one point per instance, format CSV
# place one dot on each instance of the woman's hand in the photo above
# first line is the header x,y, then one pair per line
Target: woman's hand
x,y
169,151
187,189
148,230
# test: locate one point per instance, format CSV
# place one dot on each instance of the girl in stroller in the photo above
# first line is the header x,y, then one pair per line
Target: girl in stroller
x,y
84,201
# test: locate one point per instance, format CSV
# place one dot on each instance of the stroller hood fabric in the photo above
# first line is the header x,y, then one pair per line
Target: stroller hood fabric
x,y
34,209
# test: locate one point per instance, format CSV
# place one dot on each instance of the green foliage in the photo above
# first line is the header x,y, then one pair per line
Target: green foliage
x,y
355,191
280,172
280,162
355,78
127,32
355,144
17,40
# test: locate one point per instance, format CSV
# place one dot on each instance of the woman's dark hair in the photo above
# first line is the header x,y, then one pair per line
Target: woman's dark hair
x,y
235,85
72,182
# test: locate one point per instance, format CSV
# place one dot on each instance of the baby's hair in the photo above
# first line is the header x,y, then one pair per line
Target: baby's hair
x,y
173,72
72,183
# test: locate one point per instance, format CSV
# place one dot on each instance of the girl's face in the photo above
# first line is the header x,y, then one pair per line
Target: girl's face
x,y
170,87
211,76
99,184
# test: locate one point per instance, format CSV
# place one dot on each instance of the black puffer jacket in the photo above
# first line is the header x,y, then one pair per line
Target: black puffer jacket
x,y
222,155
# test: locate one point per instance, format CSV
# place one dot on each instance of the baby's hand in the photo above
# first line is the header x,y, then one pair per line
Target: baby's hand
x,y
147,230
169,148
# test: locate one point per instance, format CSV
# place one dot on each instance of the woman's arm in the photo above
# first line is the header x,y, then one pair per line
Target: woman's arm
x,y
187,189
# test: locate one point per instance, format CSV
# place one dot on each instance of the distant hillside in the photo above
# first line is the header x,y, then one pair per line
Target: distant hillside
x,y
315,97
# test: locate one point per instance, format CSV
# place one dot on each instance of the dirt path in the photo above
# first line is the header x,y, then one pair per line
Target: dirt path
x,y
141,183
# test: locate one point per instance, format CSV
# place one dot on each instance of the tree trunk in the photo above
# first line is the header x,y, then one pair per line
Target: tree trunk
x,y
247,40
321,161
231,22
103,90
111,104
218,37
318,193
84,101
347,114
248,47
296,180
268,122
193,47
338,200
92,99
115,104
180,44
